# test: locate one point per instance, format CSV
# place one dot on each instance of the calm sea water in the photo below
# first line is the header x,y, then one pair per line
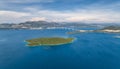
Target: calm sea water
x,y
88,51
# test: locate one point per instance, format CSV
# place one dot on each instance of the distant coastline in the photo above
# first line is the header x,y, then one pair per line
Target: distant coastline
x,y
39,25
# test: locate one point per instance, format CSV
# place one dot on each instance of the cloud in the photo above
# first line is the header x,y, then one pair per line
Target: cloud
x,y
61,16
13,16
3,40
94,13
24,1
85,15
38,19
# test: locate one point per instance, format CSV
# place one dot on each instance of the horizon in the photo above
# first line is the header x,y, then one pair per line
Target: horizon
x,y
83,11
61,22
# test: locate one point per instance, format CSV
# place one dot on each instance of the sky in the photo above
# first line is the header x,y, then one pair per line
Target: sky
x,y
87,11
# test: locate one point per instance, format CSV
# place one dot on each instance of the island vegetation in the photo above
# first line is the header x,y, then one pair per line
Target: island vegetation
x,y
53,41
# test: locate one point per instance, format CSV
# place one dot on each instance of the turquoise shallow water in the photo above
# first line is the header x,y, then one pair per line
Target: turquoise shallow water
x,y
88,51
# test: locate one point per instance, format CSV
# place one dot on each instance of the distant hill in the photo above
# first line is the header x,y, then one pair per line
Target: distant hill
x,y
28,25
45,24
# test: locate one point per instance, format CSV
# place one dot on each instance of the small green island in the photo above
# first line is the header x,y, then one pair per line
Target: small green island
x,y
53,41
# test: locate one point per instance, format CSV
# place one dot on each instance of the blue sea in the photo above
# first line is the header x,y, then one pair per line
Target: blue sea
x,y
88,51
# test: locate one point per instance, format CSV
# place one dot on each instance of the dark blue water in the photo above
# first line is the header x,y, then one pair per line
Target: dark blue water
x,y
88,51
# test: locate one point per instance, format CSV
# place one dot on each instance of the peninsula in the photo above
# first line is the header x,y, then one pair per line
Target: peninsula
x,y
53,41
111,29
108,29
